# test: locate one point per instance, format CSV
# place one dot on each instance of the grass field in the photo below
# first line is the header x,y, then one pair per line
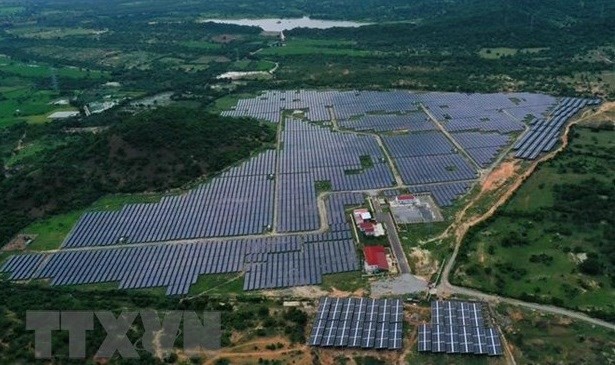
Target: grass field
x,y
535,246
347,281
222,284
537,338
36,70
21,100
51,231
26,104
444,359
247,65
323,186
228,102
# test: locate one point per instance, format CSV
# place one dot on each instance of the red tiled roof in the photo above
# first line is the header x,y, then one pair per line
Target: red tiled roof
x,y
405,197
366,225
375,255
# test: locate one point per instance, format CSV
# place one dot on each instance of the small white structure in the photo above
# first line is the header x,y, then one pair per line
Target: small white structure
x,y
63,115
60,102
378,230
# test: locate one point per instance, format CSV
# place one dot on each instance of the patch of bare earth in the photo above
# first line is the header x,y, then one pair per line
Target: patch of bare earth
x,y
424,264
343,294
499,176
309,292
246,353
19,242
516,316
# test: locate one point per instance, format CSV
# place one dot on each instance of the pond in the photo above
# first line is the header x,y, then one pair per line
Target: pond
x,y
278,25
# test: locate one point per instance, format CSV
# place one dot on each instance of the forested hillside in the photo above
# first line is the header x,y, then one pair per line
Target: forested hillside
x,y
151,151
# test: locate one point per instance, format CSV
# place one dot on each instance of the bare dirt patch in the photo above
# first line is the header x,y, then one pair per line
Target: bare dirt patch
x,y
19,242
498,176
516,315
344,294
246,353
424,264
309,292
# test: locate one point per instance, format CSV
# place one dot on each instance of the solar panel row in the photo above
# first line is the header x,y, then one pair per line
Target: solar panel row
x,y
305,267
358,322
458,328
413,121
418,144
434,169
336,205
543,134
485,112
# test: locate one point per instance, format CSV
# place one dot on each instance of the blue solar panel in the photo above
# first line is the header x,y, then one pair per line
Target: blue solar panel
x,y
353,322
458,328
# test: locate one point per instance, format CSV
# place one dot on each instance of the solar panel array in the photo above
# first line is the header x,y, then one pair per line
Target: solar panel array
x,y
458,328
434,169
268,262
500,112
302,265
336,204
350,104
239,202
274,262
418,144
358,323
544,133
313,153
414,121
483,148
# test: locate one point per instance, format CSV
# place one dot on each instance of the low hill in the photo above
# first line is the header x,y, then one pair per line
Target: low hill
x,y
153,151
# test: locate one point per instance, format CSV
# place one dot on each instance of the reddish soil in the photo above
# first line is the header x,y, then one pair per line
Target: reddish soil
x,y
19,243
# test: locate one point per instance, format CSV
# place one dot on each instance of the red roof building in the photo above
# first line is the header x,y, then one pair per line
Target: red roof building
x,y
375,258
405,198
361,215
366,227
